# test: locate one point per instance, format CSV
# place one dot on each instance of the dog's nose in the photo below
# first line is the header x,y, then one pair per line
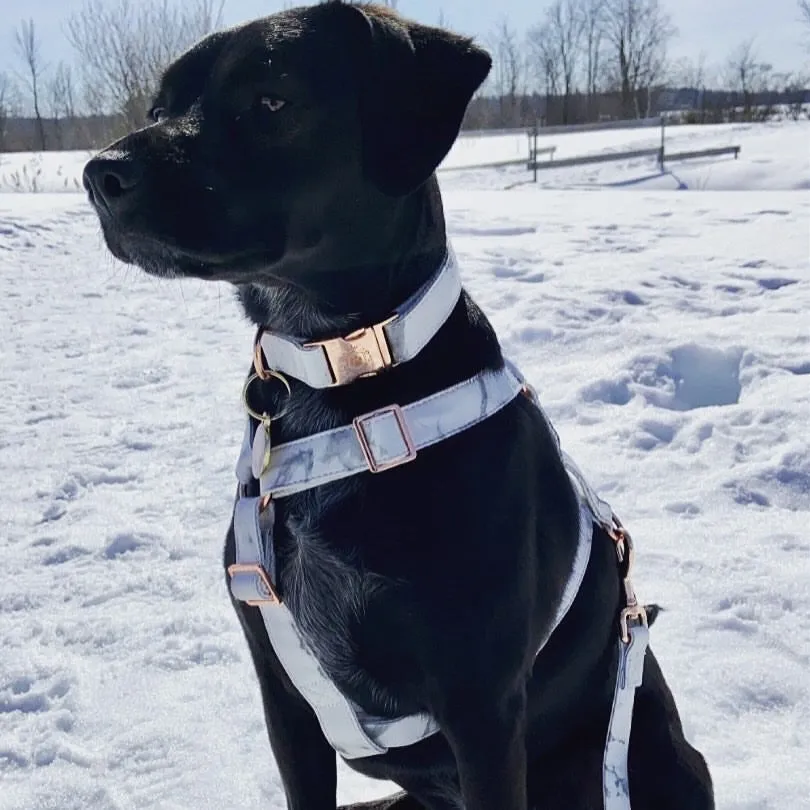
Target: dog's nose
x,y
109,181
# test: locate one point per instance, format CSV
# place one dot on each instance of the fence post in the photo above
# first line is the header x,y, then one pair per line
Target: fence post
x,y
663,136
534,150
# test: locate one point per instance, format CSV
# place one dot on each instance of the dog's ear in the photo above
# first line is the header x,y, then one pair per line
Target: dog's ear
x,y
416,83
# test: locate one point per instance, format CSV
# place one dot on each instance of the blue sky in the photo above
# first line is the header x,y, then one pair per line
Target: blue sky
x,y
713,26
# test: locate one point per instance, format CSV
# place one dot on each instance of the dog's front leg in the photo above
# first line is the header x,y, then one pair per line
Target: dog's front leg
x,y
306,761
487,736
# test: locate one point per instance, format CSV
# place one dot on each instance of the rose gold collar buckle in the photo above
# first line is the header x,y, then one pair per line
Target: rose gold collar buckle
x,y
363,353
375,466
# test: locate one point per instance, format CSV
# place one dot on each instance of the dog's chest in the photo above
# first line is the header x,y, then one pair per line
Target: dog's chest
x,y
329,598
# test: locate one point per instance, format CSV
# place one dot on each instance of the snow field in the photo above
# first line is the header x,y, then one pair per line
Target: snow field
x,y
668,337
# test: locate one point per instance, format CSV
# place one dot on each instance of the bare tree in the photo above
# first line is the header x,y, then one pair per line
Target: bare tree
x,y
391,3
804,17
509,75
546,64
560,40
795,85
593,23
692,74
638,32
747,75
61,100
8,103
28,50
124,47
62,92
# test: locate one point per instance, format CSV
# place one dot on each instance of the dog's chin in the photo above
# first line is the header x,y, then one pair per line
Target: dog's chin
x,y
164,260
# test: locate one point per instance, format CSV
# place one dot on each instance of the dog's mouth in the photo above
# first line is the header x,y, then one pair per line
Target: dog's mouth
x,y
173,229
166,257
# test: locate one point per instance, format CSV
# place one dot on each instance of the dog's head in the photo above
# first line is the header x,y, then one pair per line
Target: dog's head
x,y
271,144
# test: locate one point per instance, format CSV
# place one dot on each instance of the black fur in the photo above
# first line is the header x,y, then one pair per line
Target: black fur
x,y
428,587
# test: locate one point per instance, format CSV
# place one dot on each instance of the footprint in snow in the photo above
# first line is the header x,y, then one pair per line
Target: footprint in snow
x,y
689,377
653,434
746,496
54,512
499,271
625,297
36,693
776,283
609,392
148,769
65,555
128,543
685,509
677,281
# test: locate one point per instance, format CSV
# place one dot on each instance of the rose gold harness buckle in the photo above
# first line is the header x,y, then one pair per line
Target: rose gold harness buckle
x,y
359,424
633,611
272,597
258,570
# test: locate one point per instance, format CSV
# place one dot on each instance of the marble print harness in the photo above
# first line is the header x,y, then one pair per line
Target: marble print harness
x,y
374,443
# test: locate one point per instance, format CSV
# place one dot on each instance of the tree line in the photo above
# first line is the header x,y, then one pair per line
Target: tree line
x,y
120,49
585,60
588,60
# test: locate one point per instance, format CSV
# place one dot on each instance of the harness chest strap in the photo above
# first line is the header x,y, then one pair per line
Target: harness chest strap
x,y
337,454
352,732
387,437
374,442
349,730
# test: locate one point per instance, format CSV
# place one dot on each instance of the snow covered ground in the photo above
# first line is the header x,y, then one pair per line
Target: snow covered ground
x,y
774,157
669,338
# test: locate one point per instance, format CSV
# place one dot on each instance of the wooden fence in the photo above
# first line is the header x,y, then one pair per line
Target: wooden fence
x,y
536,151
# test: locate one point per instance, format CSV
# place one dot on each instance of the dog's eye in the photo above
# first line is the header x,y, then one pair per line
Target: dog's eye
x,y
158,114
272,103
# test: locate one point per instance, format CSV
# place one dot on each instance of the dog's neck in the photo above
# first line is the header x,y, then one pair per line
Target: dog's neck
x,y
413,247
362,290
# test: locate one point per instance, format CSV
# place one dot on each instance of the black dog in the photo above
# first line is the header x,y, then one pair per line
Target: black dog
x,y
294,158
